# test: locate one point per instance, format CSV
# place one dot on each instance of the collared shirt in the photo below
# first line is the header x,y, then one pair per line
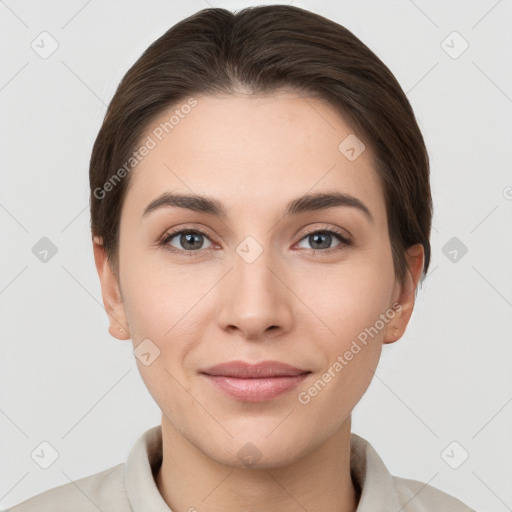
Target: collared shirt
x,y
130,486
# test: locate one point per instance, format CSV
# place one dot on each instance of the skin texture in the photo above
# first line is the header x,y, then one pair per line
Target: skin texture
x,y
254,154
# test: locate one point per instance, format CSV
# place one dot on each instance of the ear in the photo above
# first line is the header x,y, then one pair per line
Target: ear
x,y
406,294
110,291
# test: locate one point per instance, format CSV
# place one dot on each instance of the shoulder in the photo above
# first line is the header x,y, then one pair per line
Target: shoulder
x,y
416,496
103,491
382,491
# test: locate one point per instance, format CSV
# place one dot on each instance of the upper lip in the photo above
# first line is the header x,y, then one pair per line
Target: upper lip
x,y
244,370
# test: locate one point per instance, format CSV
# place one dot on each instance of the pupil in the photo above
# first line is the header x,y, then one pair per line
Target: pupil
x,y
189,239
317,238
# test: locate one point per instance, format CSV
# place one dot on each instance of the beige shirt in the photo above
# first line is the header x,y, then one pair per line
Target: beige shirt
x,y
130,486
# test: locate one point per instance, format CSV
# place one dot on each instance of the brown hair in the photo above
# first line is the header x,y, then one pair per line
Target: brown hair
x,y
263,49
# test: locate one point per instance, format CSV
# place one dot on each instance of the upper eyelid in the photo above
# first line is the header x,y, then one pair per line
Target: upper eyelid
x,y
171,234
337,231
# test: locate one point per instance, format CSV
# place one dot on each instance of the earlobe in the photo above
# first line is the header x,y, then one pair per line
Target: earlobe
x,y
407,294
111,295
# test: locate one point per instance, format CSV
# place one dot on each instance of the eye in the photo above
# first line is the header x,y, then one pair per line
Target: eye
x,y
188,240
322,240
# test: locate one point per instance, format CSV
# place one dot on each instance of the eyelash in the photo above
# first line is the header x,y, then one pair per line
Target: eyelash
x,y
344,241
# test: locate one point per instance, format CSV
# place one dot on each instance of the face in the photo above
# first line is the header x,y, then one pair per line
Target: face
x,y
305,287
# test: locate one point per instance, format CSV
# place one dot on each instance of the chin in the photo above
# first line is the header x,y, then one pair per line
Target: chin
x,y
250,449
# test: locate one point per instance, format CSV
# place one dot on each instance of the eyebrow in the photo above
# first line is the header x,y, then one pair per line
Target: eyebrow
x,y
306,203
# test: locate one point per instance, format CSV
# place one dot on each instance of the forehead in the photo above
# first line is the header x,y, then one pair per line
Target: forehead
x,y
248,151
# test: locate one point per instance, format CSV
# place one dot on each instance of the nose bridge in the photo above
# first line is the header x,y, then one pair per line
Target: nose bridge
x,y
253,298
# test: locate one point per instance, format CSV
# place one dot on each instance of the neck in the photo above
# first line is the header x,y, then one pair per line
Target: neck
x,y
189,480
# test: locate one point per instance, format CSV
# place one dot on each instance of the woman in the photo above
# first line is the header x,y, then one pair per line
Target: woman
x,y
261,212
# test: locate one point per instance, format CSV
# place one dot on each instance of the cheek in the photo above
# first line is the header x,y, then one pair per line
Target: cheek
x,y
347,299
351,304
155,299
161,306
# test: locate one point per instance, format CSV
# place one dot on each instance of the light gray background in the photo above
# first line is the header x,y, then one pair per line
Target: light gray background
x,y
64,380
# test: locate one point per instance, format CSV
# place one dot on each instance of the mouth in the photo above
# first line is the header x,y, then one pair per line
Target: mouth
x,y
254,382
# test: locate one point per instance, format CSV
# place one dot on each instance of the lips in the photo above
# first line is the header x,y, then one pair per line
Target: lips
x,y
243,370
254,382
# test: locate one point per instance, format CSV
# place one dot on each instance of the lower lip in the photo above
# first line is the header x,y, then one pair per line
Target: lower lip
x,y
256,390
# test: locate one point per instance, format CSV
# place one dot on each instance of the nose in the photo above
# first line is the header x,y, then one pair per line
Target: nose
x,y
255,301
